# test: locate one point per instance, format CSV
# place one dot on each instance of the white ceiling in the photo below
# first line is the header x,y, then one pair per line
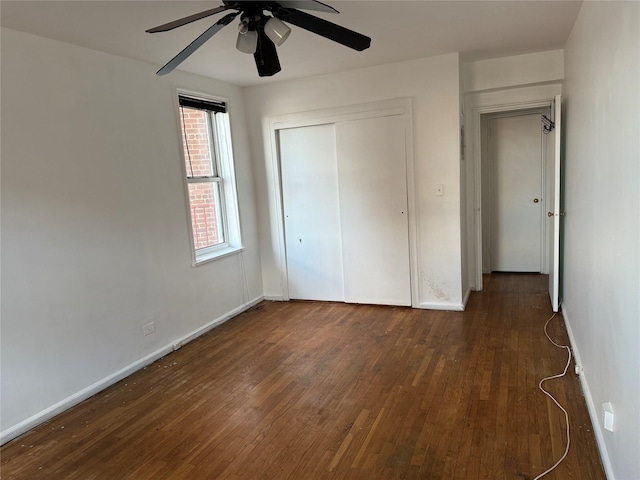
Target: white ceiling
x,y
400,30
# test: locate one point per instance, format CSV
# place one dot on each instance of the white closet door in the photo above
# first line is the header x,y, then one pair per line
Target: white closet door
x,y
309,175
373,210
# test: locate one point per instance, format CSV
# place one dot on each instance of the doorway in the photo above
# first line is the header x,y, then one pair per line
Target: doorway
x,y
513,165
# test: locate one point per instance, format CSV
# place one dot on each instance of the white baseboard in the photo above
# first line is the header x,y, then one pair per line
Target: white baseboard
x,y
220,320
50,412
275,298
454,307
591,407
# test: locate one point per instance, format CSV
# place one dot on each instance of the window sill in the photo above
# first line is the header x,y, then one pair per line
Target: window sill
x,y
210,256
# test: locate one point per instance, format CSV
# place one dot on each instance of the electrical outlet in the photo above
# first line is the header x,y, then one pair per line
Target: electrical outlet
x,y
608,416
148,328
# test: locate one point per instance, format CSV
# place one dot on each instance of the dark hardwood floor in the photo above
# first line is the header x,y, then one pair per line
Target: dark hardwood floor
x,y
312,390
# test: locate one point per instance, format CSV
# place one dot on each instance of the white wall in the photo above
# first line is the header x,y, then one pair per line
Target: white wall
x,y
433,85
601,300
506,72
94,224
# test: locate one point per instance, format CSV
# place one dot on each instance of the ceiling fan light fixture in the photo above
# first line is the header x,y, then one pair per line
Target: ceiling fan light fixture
x,y
276,30
247,42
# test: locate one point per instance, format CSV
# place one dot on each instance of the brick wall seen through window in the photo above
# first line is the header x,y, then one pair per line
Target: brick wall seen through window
x,y
204,197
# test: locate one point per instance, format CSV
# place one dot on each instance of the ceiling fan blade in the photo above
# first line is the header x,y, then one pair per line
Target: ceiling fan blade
x,y
197,43
326,29
191,18
266,56
308,5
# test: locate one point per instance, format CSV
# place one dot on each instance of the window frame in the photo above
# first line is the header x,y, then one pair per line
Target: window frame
x,y
223,164
215,178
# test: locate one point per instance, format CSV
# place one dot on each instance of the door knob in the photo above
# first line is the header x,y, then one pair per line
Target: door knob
x,y
535,200
550,214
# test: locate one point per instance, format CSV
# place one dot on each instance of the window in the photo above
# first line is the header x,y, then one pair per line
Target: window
x,y
209,177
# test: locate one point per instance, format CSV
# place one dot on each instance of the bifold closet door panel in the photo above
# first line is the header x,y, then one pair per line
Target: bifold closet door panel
x,y
309,176
372,178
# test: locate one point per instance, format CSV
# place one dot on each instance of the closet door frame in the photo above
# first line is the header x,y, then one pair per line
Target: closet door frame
x,y
397,107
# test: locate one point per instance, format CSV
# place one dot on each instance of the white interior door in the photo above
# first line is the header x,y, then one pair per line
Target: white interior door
x,y
516,193
554,214
309,176
372,172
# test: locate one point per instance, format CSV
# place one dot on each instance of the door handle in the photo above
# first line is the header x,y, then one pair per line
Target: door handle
x,y
550,214
535,200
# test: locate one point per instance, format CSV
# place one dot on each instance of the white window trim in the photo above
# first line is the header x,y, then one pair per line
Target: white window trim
x,y
226,172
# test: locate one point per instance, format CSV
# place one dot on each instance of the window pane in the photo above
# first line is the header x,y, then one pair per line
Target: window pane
x,y
195,142
206,217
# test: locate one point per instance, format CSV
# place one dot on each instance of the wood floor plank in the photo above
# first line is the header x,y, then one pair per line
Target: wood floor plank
x,y
317,390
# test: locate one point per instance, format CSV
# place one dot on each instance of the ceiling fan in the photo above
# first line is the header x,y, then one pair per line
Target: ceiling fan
x,y
259,33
